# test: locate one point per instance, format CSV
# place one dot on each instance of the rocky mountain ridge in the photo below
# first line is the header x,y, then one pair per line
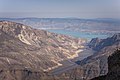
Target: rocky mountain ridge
x,y
34,49
98,44
88,25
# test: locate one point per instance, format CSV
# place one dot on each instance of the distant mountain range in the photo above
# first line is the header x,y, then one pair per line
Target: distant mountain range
x,y
104,25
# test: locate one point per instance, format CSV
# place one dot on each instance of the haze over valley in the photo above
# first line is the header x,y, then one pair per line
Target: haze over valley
x,y
80,28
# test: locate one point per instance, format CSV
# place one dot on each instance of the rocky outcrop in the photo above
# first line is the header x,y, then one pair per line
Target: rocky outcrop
x,y
113,68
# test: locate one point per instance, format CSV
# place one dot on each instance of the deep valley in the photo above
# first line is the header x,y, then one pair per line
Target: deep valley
x,y
28,53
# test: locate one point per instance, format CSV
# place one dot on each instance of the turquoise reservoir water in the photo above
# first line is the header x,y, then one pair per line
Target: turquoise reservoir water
x,y
85,35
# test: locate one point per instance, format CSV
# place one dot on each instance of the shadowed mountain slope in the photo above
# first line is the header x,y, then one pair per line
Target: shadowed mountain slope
x,y
113,68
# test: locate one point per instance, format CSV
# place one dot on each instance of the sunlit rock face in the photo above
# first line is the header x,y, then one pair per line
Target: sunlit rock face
x,y
24,48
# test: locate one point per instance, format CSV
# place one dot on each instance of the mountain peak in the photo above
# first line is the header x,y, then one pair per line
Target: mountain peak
x,y
16,30
12,25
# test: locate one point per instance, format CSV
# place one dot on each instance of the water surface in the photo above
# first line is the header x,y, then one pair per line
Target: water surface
x,y
85,35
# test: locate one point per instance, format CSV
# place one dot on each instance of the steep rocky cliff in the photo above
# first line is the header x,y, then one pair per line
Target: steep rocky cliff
x,y
113,68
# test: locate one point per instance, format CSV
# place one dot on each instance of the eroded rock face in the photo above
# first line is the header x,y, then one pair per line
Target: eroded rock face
x,y
24,48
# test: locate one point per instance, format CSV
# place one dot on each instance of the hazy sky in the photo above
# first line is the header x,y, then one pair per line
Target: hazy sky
x,y
60,8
